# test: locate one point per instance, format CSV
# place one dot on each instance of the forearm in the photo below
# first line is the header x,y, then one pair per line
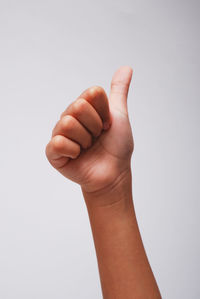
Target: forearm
x,y
123,265
92,144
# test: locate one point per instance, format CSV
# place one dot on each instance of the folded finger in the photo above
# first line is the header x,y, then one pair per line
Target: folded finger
x,y
97,97
60,149
85,113
71,128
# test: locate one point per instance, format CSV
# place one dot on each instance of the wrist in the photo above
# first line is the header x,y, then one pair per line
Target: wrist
x,y
118,193
111,210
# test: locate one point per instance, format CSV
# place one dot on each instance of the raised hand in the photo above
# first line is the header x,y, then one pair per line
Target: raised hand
x,y
92,142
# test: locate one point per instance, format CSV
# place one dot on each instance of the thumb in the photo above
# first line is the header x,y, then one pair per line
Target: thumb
x,y
119,88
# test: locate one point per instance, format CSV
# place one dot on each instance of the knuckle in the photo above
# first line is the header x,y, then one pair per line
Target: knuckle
x,y
67,123
96,90
118,86
57,143
79,106
63,114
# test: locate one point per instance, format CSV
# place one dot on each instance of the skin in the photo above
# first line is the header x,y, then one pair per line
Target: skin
x,y
92,145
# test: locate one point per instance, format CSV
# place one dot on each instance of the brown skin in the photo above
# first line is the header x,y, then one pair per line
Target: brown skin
x,y
92,145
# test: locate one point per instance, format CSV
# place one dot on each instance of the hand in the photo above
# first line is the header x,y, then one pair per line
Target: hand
x,y
92,143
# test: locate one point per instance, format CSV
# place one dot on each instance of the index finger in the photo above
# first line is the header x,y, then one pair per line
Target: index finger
x,y
97,97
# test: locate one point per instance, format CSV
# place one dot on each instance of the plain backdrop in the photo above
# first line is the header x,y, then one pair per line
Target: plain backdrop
x,y
50,51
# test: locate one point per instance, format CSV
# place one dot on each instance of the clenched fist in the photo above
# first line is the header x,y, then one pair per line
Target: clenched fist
x,y
92,142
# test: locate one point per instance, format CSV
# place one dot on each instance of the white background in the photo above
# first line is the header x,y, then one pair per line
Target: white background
x,y
50,51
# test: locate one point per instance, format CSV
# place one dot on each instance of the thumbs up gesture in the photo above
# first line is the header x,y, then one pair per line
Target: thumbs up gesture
x,y
92,142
